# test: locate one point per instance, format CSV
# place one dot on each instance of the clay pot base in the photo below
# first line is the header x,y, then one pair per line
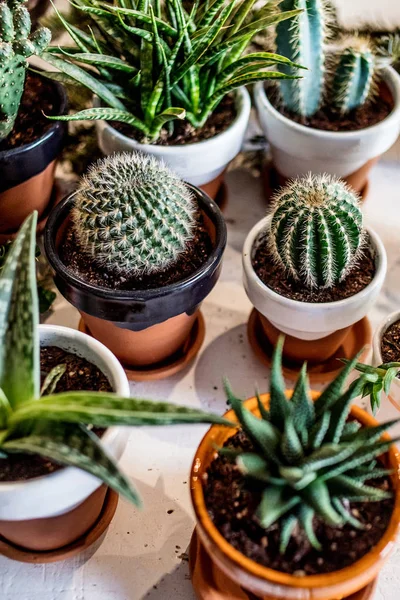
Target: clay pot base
x,y
272,182
81,544
222,197
210,583
358,337
174,364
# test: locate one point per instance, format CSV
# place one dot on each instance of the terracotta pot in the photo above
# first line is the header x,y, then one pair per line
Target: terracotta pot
x,y
202,164
269,584
143,327
297,149
27,173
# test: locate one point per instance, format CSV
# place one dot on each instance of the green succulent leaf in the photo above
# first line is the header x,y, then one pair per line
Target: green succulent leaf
x,y
288,525
346,487
306,517
279,407
52,379
274,504
319,499
5,410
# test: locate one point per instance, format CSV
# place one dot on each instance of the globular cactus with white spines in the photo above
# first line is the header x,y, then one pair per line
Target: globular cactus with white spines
x,y
316,230
133,215
16,45
302,39
353,77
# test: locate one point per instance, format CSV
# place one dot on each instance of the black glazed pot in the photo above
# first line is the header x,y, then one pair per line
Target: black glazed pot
x,y
141,327
27,172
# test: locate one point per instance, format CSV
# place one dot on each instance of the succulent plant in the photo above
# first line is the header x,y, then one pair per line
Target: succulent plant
x,y
16,45
302,39
316,230
132,214
55,425
151,62
353,80
311,460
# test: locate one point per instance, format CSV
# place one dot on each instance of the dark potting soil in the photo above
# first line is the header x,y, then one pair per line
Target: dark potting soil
x,y
79,375
232,503
329,119
39,95
184,132
390,345
82,265
275,277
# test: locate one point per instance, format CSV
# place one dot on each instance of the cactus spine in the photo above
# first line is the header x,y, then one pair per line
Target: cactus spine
x,y
132,214
16,45
316,230
353,78
302,39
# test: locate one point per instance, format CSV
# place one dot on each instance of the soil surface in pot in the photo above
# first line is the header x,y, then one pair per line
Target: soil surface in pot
x,y
80,374
39,95
184,132
390,344
82,265
275,277
329,119
232,503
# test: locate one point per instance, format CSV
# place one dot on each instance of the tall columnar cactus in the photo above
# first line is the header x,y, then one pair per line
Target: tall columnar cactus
x,y
353,77
132,214
316,231
302,39
16,45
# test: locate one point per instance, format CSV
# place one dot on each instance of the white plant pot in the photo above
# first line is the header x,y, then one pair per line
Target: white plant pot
x,y
60,492
297,149
197,163
307,320
377,359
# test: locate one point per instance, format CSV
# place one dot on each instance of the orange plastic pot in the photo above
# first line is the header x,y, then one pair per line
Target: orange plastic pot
x,y
269,584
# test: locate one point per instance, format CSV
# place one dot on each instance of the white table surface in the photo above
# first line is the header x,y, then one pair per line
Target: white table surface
x,y
144,554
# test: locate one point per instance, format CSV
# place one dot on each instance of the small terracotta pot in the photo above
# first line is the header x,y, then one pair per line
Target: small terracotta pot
x,y
27,173
143,328
55,532
269,584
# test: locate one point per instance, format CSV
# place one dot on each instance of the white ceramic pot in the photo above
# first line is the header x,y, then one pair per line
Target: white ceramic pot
x,y
55,494
297,149
394,395
307,320
197,163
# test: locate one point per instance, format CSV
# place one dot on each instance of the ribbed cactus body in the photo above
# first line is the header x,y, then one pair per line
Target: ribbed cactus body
x,y
316,230
353,79
132,214
301,39
15,47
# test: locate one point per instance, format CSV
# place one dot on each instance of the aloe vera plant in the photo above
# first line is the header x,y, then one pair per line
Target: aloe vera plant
x,y
311,460
55,425
151,62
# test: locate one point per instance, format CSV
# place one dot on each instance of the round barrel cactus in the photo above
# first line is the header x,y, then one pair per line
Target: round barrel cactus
x,y
132,214
316,230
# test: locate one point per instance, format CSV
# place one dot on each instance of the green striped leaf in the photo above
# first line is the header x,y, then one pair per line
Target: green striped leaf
x,y
318,498
279,407
5,410
106,114
306,517
144,18
274,505
101,60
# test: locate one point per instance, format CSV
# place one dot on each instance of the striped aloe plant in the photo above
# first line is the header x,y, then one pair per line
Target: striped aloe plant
x,y
150,62
309,459
53,425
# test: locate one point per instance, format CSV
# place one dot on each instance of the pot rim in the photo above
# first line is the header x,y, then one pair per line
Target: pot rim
x,y
380,331
307,306
119,374
243,102
278,577
63,102
60,212
390,76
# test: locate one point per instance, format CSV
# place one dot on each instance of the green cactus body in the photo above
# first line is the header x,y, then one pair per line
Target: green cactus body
x,y
316,230
16,45
132,214
353,80
301,39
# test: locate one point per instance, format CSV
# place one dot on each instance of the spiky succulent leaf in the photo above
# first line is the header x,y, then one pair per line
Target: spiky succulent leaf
x,y
19,346
313,477
316,231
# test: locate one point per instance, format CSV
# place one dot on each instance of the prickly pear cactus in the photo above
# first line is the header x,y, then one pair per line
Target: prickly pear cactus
x,y
16,45
132,214
353,78
302,39
316,231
